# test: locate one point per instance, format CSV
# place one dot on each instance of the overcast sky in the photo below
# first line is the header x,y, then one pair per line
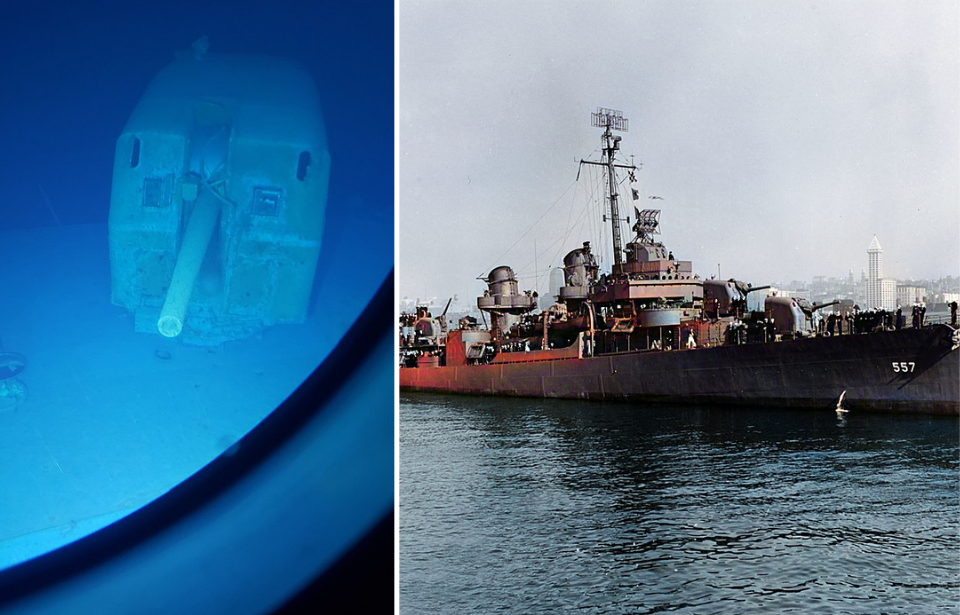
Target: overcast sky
x,y
781,136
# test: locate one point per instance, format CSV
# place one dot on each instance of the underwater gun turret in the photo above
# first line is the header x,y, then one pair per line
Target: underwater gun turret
x,y
218,198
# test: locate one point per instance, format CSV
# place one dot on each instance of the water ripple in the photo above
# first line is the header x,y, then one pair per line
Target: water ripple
x,y
520,506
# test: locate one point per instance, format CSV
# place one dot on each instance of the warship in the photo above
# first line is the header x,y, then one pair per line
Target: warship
x,y
651,330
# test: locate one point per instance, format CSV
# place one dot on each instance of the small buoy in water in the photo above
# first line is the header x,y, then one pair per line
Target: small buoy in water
x,y
840,409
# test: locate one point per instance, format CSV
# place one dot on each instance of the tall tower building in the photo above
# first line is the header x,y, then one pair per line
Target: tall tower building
x,y
880,293
556,281
875,259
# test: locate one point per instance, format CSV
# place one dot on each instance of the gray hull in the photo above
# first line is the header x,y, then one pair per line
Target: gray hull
x,y
912,371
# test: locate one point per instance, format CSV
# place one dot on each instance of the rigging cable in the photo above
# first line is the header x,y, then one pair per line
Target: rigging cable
x,y
584,218
527,232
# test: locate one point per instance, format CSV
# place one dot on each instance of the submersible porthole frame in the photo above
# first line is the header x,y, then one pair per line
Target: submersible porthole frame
x,y
193,549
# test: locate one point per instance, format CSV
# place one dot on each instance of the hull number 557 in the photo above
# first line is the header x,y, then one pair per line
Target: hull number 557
x,y
904,367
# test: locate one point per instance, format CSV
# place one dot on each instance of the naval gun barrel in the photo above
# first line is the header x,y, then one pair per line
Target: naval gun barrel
x,y
196,238
749,289
443,317
815,307
744,289
809,309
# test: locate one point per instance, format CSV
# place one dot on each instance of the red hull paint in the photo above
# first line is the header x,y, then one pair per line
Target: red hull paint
x,y
809,373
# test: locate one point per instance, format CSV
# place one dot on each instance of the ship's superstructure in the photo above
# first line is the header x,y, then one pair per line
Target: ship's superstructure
x,y
651,329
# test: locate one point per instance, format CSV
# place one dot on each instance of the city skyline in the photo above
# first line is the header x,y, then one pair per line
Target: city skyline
x,y
779,138
899,292
851,277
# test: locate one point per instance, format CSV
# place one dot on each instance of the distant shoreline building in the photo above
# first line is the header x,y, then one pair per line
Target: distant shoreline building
x,y
879,292
556,282
911,295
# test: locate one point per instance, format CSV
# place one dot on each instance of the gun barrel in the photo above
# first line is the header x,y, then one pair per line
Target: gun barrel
x,y
813,308
200,228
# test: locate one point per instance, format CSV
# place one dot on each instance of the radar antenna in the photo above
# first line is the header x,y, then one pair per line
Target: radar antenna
x,y
647,225
610,120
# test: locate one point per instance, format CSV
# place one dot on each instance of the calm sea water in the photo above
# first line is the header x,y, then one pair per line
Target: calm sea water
x,y
533,506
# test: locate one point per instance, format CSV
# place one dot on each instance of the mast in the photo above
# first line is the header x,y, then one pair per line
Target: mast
x,y
610,120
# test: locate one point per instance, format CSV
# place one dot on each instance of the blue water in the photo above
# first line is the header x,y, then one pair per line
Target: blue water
x,y
539,506
113,418
109,419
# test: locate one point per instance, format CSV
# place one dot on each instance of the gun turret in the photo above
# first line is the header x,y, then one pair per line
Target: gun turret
x,y
726,298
